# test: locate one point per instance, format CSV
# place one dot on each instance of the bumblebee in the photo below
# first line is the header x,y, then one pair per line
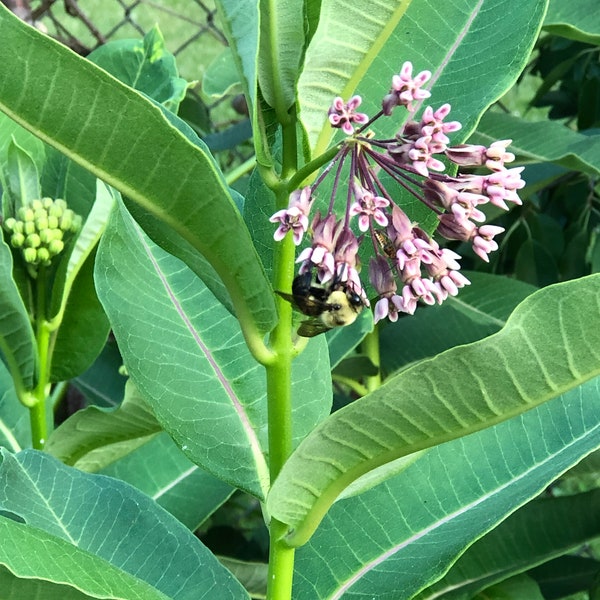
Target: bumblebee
x,y
329,305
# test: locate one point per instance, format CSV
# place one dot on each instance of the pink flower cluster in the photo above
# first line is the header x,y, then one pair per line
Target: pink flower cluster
x,y
403,252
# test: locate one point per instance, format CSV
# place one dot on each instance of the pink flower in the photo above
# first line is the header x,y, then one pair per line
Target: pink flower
x,y
405,89
343,115
432,124
295,217
367,207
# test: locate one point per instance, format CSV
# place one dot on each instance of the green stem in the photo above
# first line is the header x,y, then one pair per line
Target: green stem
x,y
314,165
43,334
370,347
279,398
279,381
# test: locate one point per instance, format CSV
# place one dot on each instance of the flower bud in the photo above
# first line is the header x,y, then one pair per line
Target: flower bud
x,y
33,240
43,256
26,214
52,222
10,223
46,235
66,220
56,247
36,205
47,203
41,223
28,227
30,255
17,240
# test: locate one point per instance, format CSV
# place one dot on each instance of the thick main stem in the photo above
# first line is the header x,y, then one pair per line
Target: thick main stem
x,y
279,383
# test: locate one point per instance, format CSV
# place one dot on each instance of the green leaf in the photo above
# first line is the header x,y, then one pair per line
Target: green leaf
x,y
15,430
578,21
179,183
83,325
22,182
9,131
519,587
403,535
535,265
253,576
542,141
93,428
554,526
582,477
221,77
17,588
280,52
547,347
82,525
217,411
478,311
145,65
17,341
103,384
161,470
565,575
338,56
359,53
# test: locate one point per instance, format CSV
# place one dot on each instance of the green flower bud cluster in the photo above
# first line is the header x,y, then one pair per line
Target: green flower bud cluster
x,y
40,229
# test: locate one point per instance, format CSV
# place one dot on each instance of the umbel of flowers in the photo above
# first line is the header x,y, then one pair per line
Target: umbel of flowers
x,y
40,229
408,266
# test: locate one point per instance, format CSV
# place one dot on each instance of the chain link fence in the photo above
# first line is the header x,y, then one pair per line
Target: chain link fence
x,y
190,30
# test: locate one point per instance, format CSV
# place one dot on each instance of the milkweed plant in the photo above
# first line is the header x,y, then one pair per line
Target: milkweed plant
x,y
351,338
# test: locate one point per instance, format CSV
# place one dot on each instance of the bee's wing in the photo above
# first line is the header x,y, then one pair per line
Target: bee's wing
x,y
287,297
312,327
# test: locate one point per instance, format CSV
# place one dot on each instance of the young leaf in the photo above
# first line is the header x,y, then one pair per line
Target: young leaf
x,y
21,180
180,184
280,53
403,535
548,346
17,341
83,525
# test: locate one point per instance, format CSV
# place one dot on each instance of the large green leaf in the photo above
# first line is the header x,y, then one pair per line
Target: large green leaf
x,y
576,20
403,535
548,346
128,142
554,526
161,470
186,354
17,342
99,535
361,50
